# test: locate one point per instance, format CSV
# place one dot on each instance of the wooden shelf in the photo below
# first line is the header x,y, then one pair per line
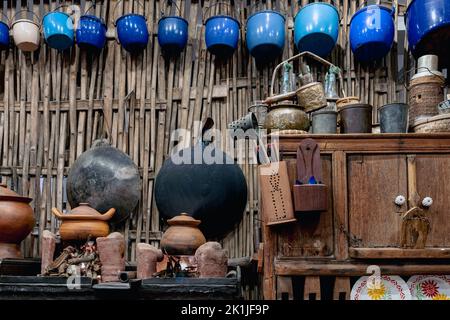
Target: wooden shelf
x,y
297,267
397,253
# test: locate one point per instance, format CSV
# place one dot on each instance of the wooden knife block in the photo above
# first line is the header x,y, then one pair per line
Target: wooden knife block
x,y
276,194
309,197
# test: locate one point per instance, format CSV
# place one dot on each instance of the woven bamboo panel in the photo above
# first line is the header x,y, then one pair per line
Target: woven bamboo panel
x,y
53,105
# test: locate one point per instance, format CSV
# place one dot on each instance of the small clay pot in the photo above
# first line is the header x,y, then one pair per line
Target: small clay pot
x,y
183,236
83,222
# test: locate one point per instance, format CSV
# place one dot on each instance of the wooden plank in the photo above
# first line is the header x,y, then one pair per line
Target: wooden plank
x,y
398,253
351,269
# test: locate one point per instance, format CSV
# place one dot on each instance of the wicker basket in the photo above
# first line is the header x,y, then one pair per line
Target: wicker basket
x,y
424,96
440,123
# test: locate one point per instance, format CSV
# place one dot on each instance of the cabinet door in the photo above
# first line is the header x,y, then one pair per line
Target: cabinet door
x,y
312,234
433,180
374,181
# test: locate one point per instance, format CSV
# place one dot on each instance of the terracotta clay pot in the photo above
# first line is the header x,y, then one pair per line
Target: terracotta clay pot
x,y
183,236
16,222
83,222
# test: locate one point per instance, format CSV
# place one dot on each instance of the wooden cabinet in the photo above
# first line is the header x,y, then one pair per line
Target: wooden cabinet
x,y
365,174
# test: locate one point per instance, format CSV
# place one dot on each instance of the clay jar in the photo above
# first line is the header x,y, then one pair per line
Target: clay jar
x,y
16,222
83,222
183,236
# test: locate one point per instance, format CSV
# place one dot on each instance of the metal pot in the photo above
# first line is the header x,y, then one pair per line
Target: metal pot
x,y
183,237
356,118
287,116
83,222
16,222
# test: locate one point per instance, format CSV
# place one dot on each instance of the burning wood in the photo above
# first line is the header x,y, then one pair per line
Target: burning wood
x,y
83,261
177,267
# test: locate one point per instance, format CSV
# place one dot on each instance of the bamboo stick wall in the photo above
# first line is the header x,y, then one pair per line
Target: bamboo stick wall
x,y
53,105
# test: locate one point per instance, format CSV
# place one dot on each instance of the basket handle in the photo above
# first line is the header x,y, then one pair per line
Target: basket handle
x,y
307,53
115,8
7,19
282,6
216,4
27,10
172,2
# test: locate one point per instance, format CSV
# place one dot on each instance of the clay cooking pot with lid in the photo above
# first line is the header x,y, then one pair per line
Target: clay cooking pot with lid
x,y
16,222
183,237
83,222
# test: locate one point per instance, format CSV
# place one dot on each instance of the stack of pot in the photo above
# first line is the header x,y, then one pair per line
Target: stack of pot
x,y
426,89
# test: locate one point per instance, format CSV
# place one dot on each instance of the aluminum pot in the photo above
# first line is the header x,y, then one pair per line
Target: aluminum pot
x,y
356,118
394,118
16,222
286,116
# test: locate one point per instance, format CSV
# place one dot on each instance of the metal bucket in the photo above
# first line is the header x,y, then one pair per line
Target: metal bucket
x,y
91,33
4,34
265,35
221,33
428,26
394,118
173,33
132,31
372,32
324,122
26,33
58,30
316,28
356,118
